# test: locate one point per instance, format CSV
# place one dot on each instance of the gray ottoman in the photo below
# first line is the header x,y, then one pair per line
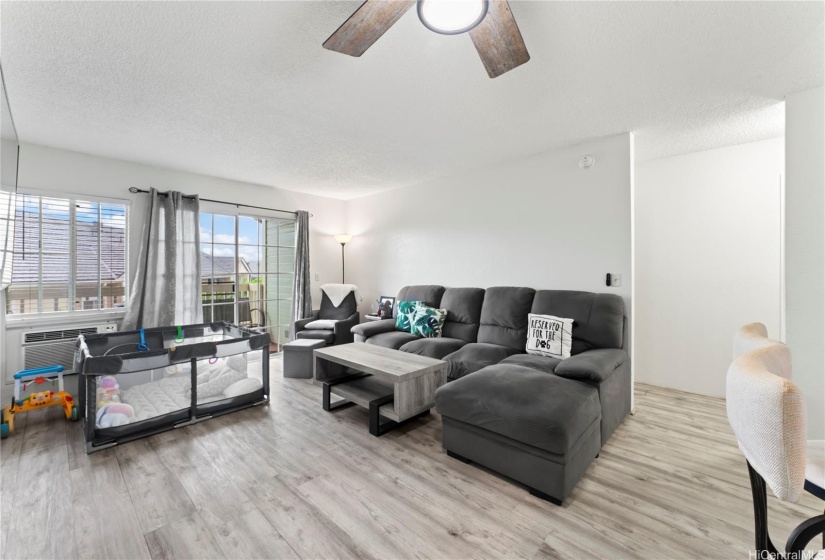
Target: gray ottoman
x,y
298,358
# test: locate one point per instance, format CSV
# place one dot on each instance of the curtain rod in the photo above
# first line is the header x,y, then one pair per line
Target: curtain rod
x,y
135,190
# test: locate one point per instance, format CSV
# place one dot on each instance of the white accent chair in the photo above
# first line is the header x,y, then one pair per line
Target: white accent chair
x,y
767,413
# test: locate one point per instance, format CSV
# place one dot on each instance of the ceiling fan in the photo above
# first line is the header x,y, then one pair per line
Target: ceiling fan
x,y
490,24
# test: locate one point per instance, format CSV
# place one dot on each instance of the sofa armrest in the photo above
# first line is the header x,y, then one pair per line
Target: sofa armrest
x,y
343,329
374,327
301,324
592,365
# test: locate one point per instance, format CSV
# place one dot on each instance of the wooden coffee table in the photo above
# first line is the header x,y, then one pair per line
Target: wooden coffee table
x,y
396,385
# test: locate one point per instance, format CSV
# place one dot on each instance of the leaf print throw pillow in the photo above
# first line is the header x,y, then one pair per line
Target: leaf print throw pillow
x,y
428,321
406,315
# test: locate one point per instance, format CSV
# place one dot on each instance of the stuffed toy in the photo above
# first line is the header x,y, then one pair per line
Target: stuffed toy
x,y
107,382
108,391
114,414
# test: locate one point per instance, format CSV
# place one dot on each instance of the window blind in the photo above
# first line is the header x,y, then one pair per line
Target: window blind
x,y
68,255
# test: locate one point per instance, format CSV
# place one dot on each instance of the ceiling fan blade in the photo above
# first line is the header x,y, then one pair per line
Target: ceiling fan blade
x,y
498,40
366,26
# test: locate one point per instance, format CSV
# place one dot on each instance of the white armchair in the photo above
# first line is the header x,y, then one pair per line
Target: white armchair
x,y
767,413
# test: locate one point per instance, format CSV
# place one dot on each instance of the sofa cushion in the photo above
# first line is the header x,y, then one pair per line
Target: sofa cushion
x,y
374,327
592,365
434,347
540,363
343,311
394,339
463,307
531,407
429,294
504,317
316,334
473,357
598,319
322,324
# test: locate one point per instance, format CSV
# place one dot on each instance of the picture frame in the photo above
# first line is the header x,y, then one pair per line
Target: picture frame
x,y
386,305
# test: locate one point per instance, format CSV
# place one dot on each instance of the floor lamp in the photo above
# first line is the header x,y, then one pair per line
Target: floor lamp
x,y
343,239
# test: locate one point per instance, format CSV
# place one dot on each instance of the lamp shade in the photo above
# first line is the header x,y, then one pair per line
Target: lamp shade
x,y
343,238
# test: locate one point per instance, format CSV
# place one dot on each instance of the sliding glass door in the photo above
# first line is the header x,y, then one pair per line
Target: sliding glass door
x,y
247,271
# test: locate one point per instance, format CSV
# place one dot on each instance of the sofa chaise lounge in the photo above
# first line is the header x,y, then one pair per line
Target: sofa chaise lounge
x,y
539,420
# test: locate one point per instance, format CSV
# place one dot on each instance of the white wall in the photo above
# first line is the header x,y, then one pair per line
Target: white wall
x,y
61,171
805,248
707,243
540,222
8,164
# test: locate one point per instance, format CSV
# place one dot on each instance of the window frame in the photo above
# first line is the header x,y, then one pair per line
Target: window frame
x,y
237,213
101,313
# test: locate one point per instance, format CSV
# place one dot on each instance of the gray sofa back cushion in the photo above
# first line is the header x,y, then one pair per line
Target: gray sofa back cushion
x,y
340,313
504,316
429,294
463,307
598,319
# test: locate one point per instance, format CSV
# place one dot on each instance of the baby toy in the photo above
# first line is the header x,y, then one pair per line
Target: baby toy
x,y
107,382
108,391
114,414
40,399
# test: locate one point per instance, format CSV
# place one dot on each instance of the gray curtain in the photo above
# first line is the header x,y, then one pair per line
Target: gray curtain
x,y
167,287
301,292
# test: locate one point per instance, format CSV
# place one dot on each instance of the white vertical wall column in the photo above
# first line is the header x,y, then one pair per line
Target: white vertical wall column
x,y
805,248
631,346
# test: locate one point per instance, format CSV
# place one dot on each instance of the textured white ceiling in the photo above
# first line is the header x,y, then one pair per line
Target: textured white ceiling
x,y
244,90
6,123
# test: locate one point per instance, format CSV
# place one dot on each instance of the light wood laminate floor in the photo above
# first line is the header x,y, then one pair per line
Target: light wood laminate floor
x,y
292,481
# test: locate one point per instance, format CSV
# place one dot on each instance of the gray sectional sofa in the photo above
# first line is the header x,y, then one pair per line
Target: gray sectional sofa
x,y
538,420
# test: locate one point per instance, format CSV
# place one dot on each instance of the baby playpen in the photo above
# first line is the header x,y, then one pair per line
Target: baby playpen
x,y
137,383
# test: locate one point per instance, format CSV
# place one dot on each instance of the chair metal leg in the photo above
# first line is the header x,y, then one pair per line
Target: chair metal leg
x,y
799,538
804,533
760,514
815,490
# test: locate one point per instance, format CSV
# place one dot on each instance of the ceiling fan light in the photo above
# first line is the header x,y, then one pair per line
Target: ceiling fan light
x,y
451,17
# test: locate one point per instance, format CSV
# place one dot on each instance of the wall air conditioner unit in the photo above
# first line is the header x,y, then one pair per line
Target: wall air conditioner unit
x,y
55,347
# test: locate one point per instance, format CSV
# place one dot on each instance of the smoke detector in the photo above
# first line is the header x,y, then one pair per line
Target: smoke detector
x,y
587,162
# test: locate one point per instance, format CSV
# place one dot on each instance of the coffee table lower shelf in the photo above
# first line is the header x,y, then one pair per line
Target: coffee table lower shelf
x,y
370,392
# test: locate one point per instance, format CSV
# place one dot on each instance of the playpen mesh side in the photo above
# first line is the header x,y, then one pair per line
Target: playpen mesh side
x,y
170,379
229,381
